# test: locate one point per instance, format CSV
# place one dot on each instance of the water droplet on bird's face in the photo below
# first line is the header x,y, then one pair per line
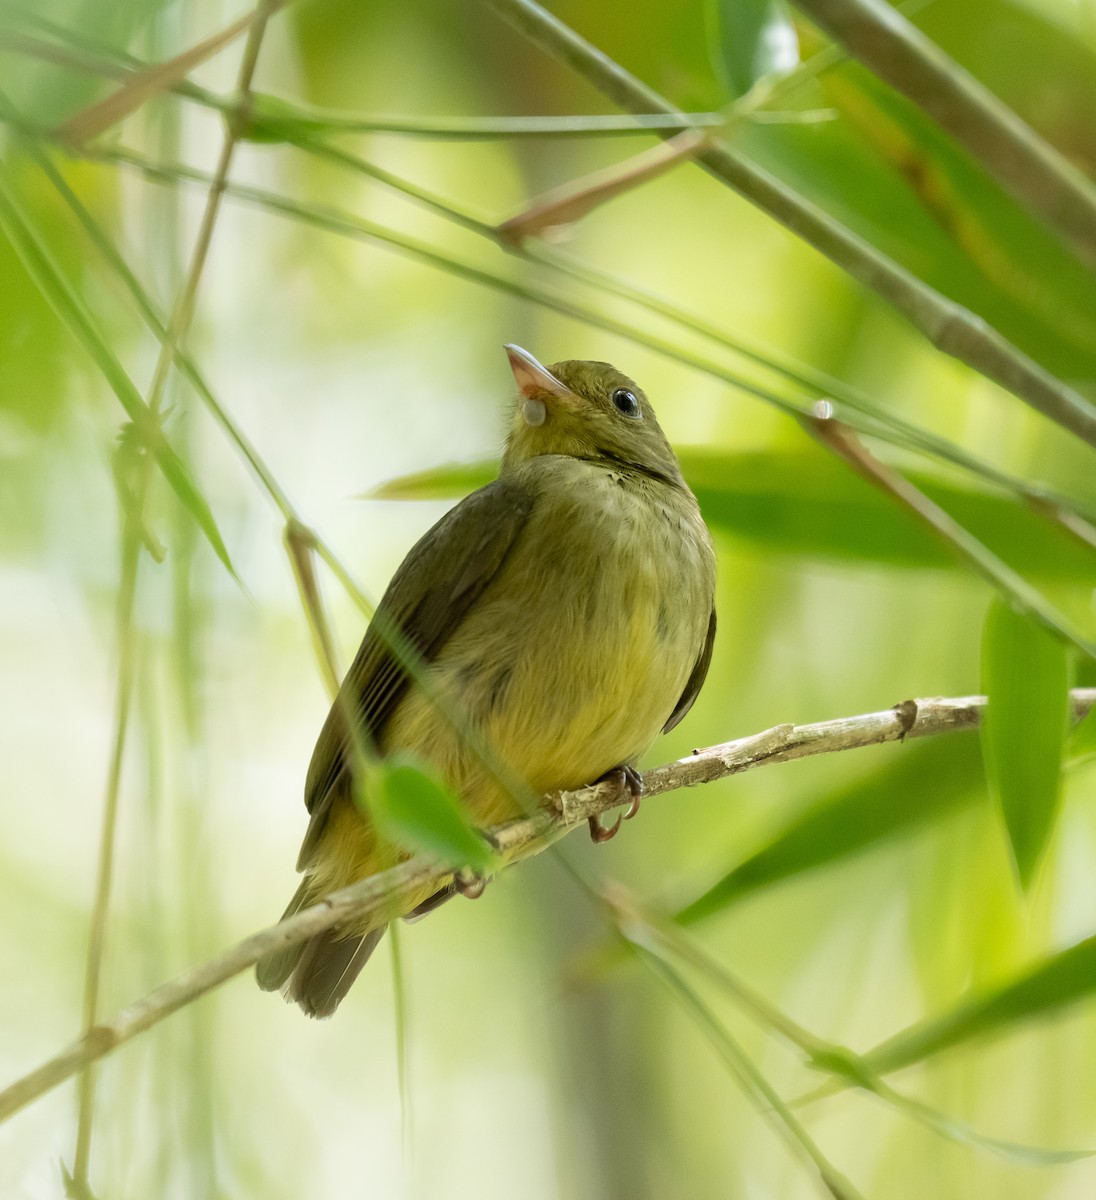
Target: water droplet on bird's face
x,y
534,412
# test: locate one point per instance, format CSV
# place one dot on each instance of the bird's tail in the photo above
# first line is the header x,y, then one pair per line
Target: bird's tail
x,y
316,973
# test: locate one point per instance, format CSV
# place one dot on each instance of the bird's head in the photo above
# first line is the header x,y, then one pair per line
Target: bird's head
x,y
585,410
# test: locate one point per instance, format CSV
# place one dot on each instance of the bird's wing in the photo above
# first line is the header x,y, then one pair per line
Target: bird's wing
x,y
427,599
696,679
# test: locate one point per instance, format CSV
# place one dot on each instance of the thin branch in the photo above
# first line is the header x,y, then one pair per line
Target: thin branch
x,y
757,1088
183,310
992,568
272,118
574,200
515,840
132,525
949,327
1028,167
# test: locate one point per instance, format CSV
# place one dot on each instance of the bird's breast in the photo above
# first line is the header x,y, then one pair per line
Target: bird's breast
x,y
577,652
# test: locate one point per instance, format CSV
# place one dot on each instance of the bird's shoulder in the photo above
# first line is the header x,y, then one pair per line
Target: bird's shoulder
x,y
429,596
463,547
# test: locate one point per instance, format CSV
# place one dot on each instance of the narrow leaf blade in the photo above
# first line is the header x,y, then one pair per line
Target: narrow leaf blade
x,y
802,502
413,808
1026,674
926,782
753,38
436,483
1048,988
78,319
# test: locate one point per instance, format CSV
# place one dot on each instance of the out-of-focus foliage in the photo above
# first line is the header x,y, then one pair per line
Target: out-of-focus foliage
x,y
1026,675
348,325
414,809
752,40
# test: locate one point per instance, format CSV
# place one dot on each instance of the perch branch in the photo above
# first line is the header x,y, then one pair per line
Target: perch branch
x,y
515,840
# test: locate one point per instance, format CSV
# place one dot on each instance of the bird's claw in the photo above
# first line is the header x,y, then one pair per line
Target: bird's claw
x,y
634,783
602,833
628,780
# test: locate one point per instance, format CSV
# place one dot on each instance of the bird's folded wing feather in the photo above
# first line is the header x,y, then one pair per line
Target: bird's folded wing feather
x,y
696,680
429,596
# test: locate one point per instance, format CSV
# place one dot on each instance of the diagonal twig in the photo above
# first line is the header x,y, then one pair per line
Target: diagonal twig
x,y
138,89
844,442
571,202
128,644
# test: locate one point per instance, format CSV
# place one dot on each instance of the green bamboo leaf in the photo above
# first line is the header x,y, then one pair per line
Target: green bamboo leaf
x,y
752,39
449,481
413,808
887,172
178,475
1026,672
804,502
658,936
947,1126
1023,261
74,314
927,781
1047,989
32,343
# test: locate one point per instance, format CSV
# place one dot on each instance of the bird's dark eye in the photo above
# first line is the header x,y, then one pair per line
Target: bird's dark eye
x,y
626,403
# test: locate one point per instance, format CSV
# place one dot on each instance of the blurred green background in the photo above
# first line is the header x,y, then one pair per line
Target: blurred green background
x,y
870,890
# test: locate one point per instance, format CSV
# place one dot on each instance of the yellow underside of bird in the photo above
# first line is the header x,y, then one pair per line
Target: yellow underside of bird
x,y
560,692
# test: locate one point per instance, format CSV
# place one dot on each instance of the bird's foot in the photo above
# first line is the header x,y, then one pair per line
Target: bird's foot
x,y
602,833
629,781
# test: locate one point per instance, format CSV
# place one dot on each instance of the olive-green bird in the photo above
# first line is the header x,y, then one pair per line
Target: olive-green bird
x,y
566,610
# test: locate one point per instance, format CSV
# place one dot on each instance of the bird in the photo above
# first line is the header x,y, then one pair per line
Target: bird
x,y
566,610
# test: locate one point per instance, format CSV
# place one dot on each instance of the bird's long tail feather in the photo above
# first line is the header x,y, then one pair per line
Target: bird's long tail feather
x,y
316,973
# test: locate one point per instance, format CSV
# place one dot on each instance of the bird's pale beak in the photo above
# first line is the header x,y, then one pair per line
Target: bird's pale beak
x,y
532,379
